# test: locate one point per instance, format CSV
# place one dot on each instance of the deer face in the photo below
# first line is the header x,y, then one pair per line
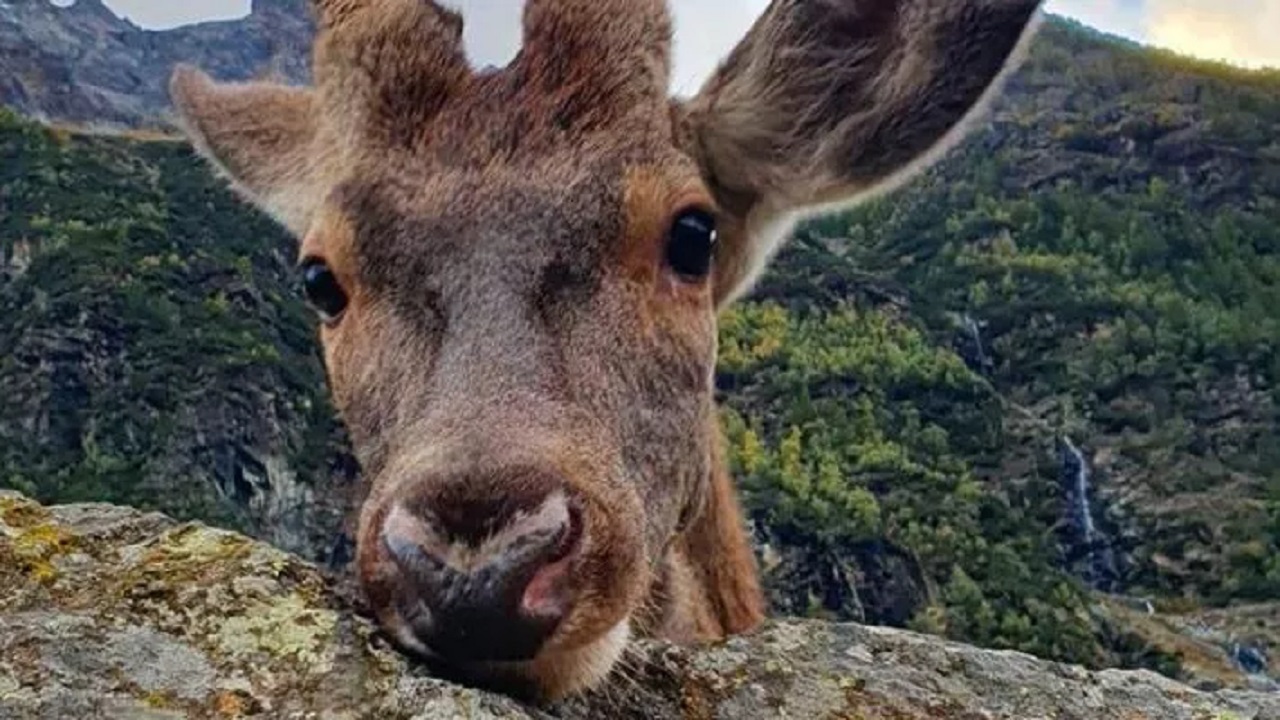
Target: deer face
x,y
517,275
524,358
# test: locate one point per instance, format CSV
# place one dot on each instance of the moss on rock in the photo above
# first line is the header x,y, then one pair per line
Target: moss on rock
x,y
285,629
122,614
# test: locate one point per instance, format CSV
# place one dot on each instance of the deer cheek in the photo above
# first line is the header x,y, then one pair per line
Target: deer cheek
x,y
374,569
614,571
336,352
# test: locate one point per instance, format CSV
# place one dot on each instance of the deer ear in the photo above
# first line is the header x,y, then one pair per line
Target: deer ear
x,y
826,101
260,135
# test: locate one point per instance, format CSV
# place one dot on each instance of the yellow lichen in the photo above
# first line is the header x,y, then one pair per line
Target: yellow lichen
x,y
157,700
43,540
197,545
19,513
283,629
35,546
9,686
852,684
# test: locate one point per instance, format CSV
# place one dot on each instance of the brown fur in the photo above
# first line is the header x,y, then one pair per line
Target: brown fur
x,y
513,327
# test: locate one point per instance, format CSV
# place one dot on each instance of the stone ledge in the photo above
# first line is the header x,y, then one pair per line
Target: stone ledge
x,y
108,612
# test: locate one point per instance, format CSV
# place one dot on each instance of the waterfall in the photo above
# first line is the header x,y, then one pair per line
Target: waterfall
x,y
973,329
1142,605
1078,470
1100,564
1250,659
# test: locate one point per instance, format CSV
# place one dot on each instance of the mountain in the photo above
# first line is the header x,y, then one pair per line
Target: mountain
x,y
1115,238
1029,401
156,349
83,64
1104,257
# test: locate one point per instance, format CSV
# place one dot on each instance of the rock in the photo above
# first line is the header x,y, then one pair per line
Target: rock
x,y
83,64
107,612
871,582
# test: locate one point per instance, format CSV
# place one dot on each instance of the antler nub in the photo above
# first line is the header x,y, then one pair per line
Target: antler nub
x,y
335,12
598,41
387,66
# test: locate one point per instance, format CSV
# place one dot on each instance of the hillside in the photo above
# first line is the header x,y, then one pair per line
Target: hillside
x,y
152,332
1011,404
1105,258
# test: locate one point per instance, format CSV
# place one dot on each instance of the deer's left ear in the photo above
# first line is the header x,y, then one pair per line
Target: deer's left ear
x,y
825,101
260,135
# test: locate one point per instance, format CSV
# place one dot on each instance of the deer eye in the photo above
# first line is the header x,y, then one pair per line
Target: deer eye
x,y
692,243
323,292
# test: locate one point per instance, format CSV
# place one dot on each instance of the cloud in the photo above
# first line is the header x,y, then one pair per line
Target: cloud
x,y
492,29
1246,32
1122,17
706,30
1238,31
158,15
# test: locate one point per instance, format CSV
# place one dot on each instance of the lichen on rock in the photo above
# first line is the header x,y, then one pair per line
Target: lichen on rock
x,y
107,612
283,628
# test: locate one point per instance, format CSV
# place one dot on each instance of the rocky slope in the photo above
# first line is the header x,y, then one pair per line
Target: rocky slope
x,y
107,612
83,64
152,331
1104,256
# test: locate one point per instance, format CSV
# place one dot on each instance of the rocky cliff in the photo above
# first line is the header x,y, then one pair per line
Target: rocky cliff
x,y
156,349
107,612
82,64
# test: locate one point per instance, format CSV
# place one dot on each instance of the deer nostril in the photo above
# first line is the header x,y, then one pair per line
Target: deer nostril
x,y
497,597
573,533
411,543
546,595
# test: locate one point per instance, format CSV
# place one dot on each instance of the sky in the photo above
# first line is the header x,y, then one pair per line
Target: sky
x,y
1244,32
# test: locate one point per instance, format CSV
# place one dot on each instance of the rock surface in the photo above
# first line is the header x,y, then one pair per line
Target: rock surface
x,y
107,612
83,64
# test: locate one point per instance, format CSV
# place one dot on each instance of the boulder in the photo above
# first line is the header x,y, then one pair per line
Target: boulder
x,y
109,612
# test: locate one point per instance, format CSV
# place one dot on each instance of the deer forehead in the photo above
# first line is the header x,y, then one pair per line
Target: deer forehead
x,y
547,141
506,117
541,266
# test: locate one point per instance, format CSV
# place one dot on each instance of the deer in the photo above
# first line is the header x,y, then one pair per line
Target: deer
x,y
517,275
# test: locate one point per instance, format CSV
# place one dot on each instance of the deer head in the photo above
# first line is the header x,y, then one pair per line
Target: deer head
x,y
517,275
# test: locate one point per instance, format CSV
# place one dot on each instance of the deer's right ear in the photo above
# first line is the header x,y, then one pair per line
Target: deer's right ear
x,y
825,102
260,135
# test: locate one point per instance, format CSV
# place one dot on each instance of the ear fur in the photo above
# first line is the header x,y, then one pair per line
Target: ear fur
x,y
259,135
382,69
827,101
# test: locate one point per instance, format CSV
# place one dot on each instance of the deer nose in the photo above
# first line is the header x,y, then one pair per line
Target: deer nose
x,y
479,591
